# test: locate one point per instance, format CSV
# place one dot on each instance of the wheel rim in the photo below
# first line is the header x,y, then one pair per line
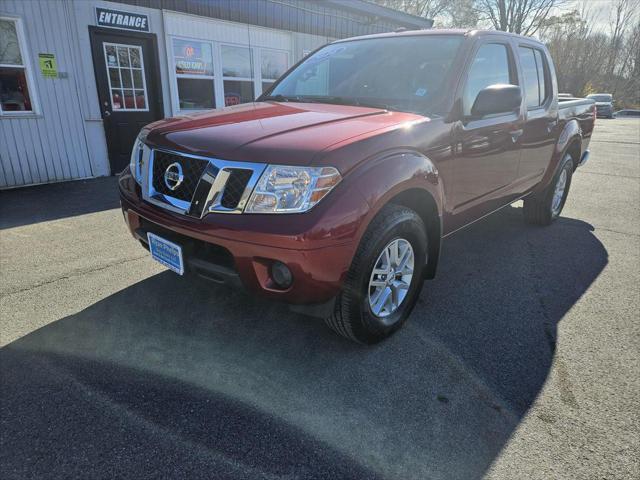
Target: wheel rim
x,y
391,277
558,193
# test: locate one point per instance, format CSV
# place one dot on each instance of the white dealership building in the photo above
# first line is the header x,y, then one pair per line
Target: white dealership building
x,y
78,78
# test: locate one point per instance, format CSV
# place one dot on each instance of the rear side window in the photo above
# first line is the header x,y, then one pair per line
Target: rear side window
x,y
489,67
535,80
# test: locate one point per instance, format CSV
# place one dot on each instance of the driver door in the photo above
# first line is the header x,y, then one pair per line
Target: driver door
x,y
487,150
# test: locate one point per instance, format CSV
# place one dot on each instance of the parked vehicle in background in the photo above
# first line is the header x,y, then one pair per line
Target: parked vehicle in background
x,y
334,190
627,112
565,95
604,104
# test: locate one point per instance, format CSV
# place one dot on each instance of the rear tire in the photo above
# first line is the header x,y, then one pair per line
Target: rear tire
x,y
364,311
546,206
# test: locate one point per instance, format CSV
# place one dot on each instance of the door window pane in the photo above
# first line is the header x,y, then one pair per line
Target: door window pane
x,y
236,62
116,99
114,76
126,78
14,93
112,58
541,63
192,57
274,64
9,47
530,77
196,94
490,66
141,101
134,56
137,78
123,56
129,100
236,92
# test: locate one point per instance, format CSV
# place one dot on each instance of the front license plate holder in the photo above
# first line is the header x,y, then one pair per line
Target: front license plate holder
x,y
165,252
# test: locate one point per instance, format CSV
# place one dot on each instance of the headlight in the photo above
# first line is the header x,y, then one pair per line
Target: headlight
x,y
283,189
136,163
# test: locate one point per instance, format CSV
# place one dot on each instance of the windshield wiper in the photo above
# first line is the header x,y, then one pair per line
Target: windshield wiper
x,y
336,100
289,98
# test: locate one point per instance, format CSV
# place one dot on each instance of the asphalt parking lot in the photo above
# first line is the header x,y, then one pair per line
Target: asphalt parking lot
x,y
522,359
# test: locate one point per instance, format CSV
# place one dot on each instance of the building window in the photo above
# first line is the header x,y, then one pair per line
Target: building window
x,y
193,61
16,94
127,82
237,74
273,65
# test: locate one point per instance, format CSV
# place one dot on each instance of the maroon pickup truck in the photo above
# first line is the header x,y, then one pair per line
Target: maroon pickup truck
x,y
333,191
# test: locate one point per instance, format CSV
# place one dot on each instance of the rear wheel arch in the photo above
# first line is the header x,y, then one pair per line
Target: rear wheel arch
x,y
575,151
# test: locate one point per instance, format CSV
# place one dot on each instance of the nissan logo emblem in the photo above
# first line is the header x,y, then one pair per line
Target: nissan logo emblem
x,y
173,176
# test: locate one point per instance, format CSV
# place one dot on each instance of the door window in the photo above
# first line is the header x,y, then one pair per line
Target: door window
x,y
489,67
127,84
534,69
193,62
237,74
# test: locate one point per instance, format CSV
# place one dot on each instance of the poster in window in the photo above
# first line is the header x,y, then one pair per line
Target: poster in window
x,y
192,57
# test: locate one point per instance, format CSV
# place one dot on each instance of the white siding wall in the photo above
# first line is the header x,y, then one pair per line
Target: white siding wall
x,y
51,145
65,140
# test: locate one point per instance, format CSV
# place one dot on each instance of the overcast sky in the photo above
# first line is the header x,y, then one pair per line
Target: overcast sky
x,y
600,9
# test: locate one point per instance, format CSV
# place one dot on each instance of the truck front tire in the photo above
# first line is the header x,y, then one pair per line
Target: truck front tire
x,y
385,278
545,207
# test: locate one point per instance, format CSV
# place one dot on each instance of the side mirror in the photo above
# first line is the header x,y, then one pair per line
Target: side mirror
x,y
499,98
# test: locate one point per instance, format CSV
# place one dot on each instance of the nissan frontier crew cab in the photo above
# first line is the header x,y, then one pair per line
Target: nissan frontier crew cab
x,y
333,191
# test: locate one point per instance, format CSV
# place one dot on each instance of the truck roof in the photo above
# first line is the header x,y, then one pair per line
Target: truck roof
x,y
442,31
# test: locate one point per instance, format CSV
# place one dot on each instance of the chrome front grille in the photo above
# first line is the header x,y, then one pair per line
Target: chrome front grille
x,y
208,185
235,187
192,170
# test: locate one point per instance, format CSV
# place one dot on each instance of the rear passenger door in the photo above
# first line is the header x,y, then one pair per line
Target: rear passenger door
x,y
541,116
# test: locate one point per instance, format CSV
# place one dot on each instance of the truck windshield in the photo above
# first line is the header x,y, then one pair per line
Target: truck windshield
x,y
600,97
405,73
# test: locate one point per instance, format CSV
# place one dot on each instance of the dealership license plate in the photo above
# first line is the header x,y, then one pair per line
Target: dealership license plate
x,y
167,253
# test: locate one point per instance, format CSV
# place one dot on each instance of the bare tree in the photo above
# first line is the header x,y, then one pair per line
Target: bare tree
x,y
517,16
450,13
420,8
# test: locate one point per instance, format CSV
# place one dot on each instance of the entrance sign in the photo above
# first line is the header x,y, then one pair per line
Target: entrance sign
x,y
105,17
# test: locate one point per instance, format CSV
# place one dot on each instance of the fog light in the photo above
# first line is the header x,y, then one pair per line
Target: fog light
x,y
281,275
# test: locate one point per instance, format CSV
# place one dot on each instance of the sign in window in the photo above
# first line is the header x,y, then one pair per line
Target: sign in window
x,y
193,63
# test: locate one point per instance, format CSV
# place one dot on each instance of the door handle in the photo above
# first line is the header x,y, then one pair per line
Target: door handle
x,y
515,134
551,126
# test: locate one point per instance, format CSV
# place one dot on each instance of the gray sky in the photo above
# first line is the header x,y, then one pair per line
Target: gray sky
x,y
600,9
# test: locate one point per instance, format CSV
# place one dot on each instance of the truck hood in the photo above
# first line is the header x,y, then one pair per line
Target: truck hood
x,y
271,132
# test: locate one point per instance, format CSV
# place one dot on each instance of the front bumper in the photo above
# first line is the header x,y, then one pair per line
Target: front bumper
x,y
238,250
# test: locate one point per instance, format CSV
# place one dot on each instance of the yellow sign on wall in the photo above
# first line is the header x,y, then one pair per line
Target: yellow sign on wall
x,y
48,65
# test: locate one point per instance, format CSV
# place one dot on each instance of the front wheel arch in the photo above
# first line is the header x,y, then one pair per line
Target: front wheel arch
x,y
423,203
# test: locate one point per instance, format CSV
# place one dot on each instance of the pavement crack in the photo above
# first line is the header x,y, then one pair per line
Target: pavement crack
x,y
549,332
609,174
77,273
616,142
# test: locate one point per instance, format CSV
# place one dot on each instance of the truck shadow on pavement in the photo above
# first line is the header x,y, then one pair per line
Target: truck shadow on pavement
x,y
178,379
42,203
